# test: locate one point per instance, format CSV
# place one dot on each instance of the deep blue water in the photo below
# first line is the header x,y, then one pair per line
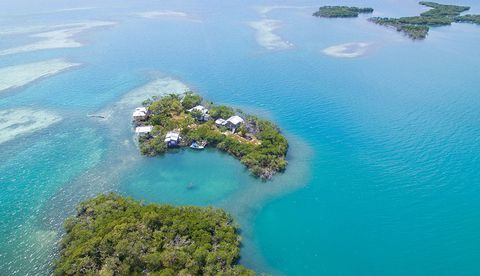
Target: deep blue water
x,y
384,167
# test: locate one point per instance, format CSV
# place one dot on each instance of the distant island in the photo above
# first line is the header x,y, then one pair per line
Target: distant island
x,y
415,27
341,11
114,235
187,120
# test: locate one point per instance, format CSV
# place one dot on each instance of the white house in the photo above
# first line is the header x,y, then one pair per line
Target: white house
x,y
172,138
140,113
143,130
202,109
220,122
234,122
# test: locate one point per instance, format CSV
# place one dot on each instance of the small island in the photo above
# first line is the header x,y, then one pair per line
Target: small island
x,y
340,11
178,121
114,235
417,27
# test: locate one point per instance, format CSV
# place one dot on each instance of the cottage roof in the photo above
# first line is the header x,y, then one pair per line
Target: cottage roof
x,y
143,129
220,121
235,120
172,136
140,112
200,108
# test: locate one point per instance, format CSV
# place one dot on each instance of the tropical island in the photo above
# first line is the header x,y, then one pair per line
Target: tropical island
x,y
176,121
341,11
417,27
114,235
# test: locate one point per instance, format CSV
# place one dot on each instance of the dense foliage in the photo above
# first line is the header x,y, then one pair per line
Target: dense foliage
x,y
341,11
191,100
113,235
417,27
469,18
221,111
439,10
257,143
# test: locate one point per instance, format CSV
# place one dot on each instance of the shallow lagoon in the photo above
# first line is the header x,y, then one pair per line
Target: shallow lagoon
x,y
384,160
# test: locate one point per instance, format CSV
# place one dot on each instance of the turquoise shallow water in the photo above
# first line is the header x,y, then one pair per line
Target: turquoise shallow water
x,y
384,167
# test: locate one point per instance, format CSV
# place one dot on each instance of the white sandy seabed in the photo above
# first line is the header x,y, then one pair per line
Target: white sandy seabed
x,y
160,14
347,50
20,121
167,14
52,37
19,75
266,36
157,87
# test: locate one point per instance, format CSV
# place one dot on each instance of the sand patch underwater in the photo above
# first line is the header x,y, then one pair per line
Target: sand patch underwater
x,y
19,75
22,121
347,50
266,36
54,38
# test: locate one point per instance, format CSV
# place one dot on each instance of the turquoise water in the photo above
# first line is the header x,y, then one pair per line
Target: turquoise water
x,y
384,167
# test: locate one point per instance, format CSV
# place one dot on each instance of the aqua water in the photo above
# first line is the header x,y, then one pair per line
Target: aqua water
x,y
384,167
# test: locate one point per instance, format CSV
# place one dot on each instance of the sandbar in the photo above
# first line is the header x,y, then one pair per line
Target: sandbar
x,y
21,121
19,75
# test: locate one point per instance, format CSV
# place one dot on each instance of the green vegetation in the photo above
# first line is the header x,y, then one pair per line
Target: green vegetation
x,y
257,143
191,100
113,235
221,111
469,18
417,27
411,30
341,11
439,10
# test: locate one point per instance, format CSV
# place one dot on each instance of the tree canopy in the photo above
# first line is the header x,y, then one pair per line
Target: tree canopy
x,y
341,11
417,27
114,235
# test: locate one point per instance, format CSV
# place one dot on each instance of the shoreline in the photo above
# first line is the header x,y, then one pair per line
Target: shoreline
x,y
243,203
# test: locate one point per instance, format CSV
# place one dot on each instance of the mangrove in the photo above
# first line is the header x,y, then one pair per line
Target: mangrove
x,y
341,11
114,235
417,27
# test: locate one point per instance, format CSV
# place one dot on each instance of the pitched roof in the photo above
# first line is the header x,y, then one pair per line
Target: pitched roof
x,y
235,120
140,112
172,136
220,121
143,129
200,108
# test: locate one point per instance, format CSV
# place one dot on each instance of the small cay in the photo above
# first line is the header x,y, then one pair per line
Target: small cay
x,y
340,11
415,27
176,121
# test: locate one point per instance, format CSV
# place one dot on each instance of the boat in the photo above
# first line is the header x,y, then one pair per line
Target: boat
x,y
196,145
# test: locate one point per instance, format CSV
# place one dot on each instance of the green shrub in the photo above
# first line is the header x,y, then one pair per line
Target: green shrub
x,y
191,100
113,235
221,111
341,11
